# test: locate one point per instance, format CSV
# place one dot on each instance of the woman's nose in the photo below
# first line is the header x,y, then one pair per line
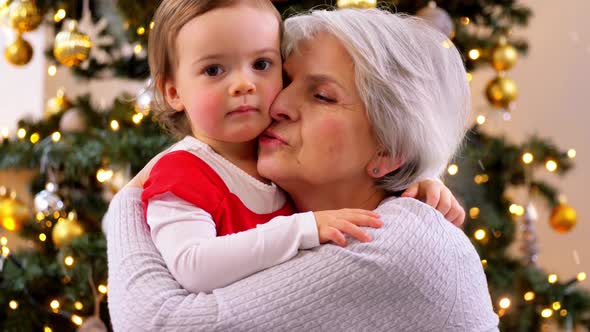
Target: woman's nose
x,y
283,107
242,85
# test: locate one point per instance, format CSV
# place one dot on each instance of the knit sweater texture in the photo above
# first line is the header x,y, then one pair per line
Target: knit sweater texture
x,y
420,273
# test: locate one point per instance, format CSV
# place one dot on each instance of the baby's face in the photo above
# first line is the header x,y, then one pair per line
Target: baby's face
x,y
228,72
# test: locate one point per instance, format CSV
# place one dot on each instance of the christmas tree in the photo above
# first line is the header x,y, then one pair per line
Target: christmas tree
x,y
85,154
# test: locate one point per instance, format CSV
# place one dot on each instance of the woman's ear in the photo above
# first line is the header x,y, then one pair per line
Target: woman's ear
x,y
382,164
171,95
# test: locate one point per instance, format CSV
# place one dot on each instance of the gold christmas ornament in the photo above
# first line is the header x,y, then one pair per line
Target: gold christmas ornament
x,y
504,56
563,218
19,52
24,15
66,230
71,47
4,13
502,92
356,3
58,104
13,213
438,18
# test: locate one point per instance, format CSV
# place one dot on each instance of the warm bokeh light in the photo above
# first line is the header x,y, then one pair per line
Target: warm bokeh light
x,y
453,169
479,234
474,54
527,158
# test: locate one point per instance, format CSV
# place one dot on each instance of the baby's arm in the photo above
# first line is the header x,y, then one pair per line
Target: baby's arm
x,y
200,261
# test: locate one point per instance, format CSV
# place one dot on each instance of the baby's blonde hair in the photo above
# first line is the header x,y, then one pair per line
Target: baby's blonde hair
x,y
169,18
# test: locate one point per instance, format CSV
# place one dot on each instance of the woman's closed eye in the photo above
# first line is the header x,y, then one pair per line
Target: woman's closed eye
x,y
213,70
262,64
322,97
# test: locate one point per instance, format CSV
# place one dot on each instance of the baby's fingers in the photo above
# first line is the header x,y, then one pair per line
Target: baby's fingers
x,y
353,230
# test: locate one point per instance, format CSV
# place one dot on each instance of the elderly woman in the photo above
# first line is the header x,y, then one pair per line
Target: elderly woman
x,y
372,102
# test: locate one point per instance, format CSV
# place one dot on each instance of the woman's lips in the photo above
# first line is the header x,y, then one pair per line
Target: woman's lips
x,y
272,139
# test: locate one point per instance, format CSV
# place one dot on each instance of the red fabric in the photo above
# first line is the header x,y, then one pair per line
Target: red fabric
x,y
191,179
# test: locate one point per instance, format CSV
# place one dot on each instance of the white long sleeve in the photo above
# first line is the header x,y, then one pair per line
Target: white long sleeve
x,y
200,261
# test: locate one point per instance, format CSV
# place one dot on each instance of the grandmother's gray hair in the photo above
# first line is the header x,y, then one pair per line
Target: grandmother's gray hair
x,y
411,79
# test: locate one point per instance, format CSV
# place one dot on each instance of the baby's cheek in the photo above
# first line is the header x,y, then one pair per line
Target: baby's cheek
x,y
207,109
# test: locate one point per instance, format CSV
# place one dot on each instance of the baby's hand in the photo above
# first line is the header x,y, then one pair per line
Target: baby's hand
x,y
437,195
332,224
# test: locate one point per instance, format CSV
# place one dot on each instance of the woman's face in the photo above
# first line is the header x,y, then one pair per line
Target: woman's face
x,y
321,134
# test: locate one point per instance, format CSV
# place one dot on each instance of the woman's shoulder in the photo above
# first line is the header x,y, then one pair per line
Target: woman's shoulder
x,y
408,219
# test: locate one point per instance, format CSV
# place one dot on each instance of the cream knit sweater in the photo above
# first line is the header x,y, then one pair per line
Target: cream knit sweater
x,y
420,273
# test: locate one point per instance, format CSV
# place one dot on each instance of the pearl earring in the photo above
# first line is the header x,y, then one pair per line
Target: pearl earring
x,y
375,171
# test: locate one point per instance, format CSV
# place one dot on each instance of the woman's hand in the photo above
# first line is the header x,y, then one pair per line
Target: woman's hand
x,y
437,195
333,224
140,178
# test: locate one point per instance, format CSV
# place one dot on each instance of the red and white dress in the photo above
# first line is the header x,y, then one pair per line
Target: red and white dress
x,y
215,224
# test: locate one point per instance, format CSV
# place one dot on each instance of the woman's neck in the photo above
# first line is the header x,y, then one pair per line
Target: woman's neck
x,y
331,197
242,154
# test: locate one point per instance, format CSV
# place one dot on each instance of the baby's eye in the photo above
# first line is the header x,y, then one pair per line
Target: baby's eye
x,y
262,64
214,70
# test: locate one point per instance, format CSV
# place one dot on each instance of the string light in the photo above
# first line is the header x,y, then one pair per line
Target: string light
x,y
527,158
571,153
59,15
480,234
51,70
563,312
151,25
516,209
5,251
484,262
453,169
137,49
581,276
465,20
505,303
552,278
529,296
115,125
103,175
546,313
137,117
56,136
42,237
5,133
140,31
47,329
21,133
3,241
551,165
556,305
35,138
103,289
447,44
78,305
469,77
54,305
481,119
13,305
474,212
77,320
474,54
69,261
40,216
